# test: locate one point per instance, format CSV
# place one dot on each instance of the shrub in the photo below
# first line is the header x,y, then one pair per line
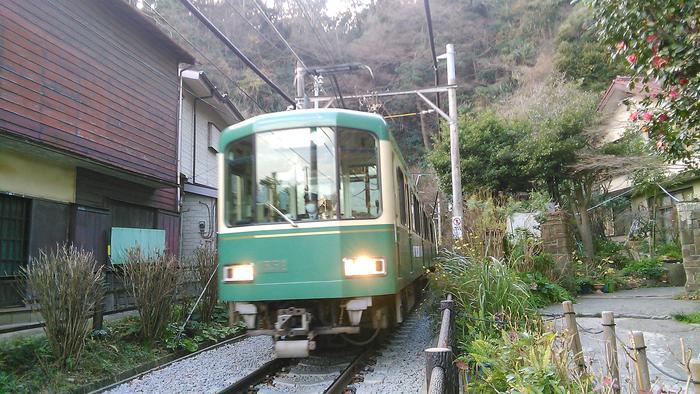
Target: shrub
x,y
152,281
648,268
614,252
67,284
205,263
670,250
542,291
527,361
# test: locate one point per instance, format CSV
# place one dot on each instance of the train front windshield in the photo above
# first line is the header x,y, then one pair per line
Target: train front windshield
x,y
301,175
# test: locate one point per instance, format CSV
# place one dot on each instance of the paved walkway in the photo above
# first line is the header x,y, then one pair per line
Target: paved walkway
x,y
649,310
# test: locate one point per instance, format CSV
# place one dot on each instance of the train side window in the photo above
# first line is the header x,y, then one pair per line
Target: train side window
x,y
416,215
401,184
360,194
239,182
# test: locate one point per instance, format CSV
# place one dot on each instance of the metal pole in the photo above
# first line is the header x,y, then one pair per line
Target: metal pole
x,y
454,145
302,99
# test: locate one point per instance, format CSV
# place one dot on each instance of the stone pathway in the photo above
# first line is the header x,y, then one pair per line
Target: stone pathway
x,y
649,310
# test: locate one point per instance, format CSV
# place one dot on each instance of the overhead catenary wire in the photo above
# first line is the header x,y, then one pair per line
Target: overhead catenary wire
x,y
325,46
428,16
202,18
201,53
286,43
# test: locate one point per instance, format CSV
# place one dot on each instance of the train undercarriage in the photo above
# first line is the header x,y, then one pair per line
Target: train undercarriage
x,y
298,325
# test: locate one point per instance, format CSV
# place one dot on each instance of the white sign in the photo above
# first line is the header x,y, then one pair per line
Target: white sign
x,y
457,227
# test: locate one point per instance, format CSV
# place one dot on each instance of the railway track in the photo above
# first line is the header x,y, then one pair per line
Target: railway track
x,y
246,364
325,372
337,370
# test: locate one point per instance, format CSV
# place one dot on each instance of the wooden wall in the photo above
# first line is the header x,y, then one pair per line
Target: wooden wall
x,y
89,77
95,190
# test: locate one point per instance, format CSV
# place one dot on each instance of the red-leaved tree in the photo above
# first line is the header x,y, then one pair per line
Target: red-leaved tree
x,y
660,40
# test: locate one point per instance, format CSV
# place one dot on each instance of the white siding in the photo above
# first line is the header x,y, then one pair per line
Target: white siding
x,y
194,211
203,172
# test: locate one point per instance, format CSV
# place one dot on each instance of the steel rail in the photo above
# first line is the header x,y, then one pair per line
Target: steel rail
x,y
341,382
243,385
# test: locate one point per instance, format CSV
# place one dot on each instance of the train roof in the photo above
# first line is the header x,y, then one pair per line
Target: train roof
x,y
306,118
331,117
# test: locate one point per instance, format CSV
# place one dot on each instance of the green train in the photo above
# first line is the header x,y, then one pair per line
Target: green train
x,y
320,230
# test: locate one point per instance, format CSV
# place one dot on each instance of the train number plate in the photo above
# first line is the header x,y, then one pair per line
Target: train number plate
x,y
273,266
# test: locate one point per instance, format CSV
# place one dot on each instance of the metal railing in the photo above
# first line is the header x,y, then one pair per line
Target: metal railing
x,y
440,371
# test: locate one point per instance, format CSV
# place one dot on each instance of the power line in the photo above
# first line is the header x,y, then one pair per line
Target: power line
x,y
279,34
326,47
206,58
429,17
202,18
249,23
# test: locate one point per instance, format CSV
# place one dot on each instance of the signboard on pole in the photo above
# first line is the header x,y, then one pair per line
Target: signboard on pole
x,y
457,227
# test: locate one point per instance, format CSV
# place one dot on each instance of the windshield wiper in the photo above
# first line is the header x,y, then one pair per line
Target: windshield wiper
x,y
274,208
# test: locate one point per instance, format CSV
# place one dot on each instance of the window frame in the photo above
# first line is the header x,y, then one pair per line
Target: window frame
x,y
338,130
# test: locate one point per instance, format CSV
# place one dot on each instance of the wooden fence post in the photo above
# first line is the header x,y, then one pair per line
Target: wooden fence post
x,y
641,365
613,370
570,319
695,373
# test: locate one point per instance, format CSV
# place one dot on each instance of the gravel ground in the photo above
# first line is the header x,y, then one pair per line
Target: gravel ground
x,y
400,366
206,372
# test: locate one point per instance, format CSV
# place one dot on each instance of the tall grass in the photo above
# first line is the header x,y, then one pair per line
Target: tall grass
x,y
485,289
68,284
152,281
205,265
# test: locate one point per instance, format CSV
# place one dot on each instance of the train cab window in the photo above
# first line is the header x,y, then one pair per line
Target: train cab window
x,y
401,206
239,182
296,175
360,195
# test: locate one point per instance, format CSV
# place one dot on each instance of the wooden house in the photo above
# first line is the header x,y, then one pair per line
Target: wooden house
x,y
89,95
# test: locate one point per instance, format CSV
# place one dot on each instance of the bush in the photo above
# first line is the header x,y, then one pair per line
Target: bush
x,y
670,250
648,268
542,291
152,281
67,284
527,361
614,252
205,263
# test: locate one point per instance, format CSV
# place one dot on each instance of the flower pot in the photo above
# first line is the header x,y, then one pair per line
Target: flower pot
x,y
598,287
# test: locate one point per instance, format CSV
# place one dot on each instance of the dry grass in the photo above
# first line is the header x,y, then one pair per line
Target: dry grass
x,y
152,281
68,284
205,265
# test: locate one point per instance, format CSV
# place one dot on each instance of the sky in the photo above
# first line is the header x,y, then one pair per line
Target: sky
x,y
337,6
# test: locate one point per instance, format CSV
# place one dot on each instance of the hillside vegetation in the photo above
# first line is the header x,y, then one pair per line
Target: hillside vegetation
x,y
496,42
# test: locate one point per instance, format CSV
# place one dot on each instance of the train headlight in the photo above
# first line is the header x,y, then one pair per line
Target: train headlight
x,y
364,266
239,273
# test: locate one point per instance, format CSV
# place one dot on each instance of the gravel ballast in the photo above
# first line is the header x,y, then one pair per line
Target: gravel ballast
x,y
400,368
207,372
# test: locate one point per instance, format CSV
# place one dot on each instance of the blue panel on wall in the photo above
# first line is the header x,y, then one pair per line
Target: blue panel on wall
x,y
151,242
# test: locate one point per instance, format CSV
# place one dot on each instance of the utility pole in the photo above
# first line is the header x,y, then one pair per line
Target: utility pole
x,y
457,210
302,100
